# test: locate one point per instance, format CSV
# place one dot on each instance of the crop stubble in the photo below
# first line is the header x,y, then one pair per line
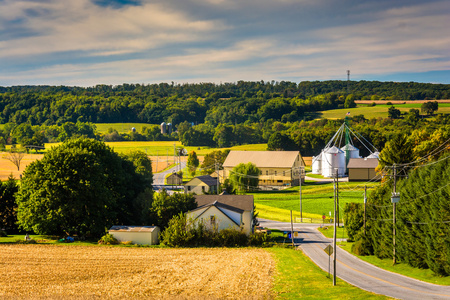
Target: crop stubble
x,y
52,271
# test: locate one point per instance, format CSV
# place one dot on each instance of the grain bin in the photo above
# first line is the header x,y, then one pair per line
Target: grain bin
x,y
353,152
163,128
317,164
375,154
333,158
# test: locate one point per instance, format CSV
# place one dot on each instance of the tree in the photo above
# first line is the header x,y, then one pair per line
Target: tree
x,y
429,107
81,186
394,113
192,162
350,101
15,157
398,150
244,177
211,159
166,206
8,206
280,142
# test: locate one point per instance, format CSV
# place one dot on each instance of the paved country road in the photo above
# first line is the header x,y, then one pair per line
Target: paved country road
x,y
357,272
158,178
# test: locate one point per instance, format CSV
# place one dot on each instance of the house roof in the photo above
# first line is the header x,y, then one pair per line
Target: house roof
x,y
362,163
242,202
219,206
262,159
123,228
206,179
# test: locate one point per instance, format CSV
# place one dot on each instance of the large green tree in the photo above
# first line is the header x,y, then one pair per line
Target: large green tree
x,y
166,206
81,186
8,205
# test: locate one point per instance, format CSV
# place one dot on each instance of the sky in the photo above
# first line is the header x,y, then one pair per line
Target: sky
x,y
90,42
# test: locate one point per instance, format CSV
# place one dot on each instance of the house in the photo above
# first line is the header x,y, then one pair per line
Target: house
x,y
277,168
201,184
174,179
142,235
224,211
362,169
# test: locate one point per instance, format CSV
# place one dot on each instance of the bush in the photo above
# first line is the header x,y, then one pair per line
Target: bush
x,y
3,233
185,233
259,239
108,239
362,247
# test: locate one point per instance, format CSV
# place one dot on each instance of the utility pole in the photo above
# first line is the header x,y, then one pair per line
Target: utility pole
x,y
337,196
217,173
335,229
394,199
365,203
292,231
300,185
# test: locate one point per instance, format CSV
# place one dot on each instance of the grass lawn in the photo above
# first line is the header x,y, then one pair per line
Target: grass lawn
x,y
298,277
42,239
317,200
328,231
400,268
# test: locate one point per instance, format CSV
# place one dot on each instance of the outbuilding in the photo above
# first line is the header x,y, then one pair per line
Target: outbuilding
x,y
201,185
142,235
362,169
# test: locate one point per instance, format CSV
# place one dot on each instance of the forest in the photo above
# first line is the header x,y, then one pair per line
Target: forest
x,y
207,114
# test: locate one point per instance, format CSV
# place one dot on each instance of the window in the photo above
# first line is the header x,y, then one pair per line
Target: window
x,y
284,173
267,172
212,220
275,173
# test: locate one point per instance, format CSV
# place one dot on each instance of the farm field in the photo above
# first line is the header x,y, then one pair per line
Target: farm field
x,y
380,110
61,271
317,199
52,271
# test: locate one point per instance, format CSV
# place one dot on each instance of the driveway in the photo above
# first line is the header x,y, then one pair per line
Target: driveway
x,y
356,271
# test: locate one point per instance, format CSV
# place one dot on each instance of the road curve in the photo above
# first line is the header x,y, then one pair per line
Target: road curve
x,y
358,272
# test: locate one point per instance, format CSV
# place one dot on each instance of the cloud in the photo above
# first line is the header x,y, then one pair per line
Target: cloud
x,y
84,41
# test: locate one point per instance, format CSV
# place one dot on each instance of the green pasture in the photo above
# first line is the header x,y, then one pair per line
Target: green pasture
x,y
380,110
297,277
317,200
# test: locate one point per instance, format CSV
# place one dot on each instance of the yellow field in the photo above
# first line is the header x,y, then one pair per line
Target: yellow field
x,y
58,271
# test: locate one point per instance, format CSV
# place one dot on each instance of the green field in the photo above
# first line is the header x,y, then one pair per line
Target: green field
x,y
120,127
380,110
317,200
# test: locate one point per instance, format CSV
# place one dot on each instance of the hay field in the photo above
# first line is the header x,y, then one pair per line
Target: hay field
x,y
7,167
58,271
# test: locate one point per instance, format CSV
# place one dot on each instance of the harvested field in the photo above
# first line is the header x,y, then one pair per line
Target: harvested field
x,y
58,271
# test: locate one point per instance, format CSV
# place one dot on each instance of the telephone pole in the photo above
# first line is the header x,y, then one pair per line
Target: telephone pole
x,y
300,190
394,199
365,203
335,229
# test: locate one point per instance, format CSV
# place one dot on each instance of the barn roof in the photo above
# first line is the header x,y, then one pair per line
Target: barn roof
x,y
262,159
362,163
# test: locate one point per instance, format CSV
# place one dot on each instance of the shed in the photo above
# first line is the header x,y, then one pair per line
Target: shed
x,y
142,235
201,184
174,179
362,169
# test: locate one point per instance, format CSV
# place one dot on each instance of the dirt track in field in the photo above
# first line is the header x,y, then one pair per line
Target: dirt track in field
x,y
55,271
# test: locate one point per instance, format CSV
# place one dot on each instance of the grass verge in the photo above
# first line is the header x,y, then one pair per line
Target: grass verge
x,y
400,268
299,278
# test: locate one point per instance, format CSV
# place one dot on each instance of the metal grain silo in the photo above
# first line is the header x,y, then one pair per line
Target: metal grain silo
x,y
352,151
375,154
163,128
333,158
317,164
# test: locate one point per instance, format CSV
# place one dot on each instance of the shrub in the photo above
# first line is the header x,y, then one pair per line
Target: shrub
x,y
108,239
362,247
3,233
231,238
259,239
